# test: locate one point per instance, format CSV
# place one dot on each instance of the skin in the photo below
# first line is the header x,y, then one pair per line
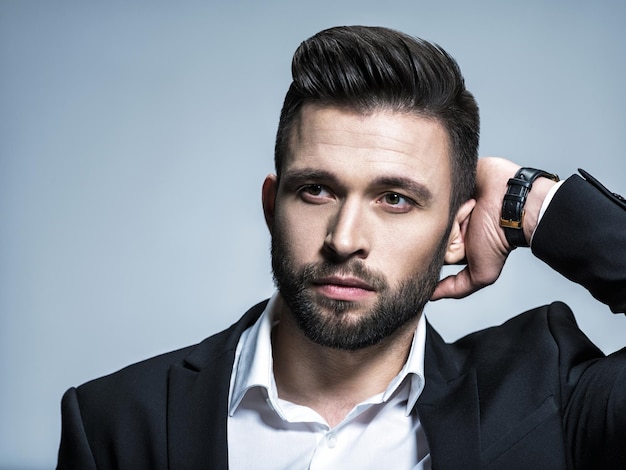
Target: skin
x,y
373,190
485,242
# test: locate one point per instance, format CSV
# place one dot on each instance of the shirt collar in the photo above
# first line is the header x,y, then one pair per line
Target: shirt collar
x,y
413,369
254,363
253,358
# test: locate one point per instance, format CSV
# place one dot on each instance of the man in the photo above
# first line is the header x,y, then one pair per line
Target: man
x,y
374,191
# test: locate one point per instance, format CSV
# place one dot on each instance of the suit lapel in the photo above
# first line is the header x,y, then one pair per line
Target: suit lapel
x,y
197,411
449,409
198,404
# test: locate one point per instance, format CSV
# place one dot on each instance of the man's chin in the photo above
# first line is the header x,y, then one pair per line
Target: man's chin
x,y
330,306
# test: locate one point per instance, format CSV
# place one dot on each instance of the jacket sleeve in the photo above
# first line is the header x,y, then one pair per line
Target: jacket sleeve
x,y
74,451
595,416
582,235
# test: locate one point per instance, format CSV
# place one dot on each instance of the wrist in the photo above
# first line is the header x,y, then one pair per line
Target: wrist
x,y
541,187
522,203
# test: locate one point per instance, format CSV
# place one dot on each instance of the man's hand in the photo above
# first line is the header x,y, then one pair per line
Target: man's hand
x,y
486,247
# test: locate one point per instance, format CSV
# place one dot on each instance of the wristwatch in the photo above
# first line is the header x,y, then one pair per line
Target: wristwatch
x,y
512,218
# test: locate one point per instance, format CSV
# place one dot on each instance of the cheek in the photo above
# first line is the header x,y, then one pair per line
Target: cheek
x,y
405,262
302,236
410,250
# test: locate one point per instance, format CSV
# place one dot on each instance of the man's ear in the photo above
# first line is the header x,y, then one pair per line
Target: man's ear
x,y
456,241
268,198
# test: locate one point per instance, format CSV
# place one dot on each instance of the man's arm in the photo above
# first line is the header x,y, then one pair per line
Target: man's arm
x,y
74,452
583,228
582,235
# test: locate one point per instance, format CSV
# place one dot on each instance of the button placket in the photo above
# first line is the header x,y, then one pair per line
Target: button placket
x,y
331,440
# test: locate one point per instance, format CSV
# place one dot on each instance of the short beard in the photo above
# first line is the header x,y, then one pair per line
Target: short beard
x,y
395,308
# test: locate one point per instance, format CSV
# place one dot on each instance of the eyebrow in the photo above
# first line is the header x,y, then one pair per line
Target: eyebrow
x,y
309,174
415,188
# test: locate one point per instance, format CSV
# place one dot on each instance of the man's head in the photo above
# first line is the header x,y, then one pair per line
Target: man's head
x,y
364,69
367,203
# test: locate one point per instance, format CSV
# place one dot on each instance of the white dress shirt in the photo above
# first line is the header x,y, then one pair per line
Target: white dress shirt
x,y
266,432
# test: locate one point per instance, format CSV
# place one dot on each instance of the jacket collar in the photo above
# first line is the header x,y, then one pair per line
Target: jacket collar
x,y
448,407
198,400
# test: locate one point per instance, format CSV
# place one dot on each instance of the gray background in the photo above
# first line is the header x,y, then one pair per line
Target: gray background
x,y
134,139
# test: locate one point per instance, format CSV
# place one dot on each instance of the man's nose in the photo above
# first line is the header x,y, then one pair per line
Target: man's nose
x,y
348,234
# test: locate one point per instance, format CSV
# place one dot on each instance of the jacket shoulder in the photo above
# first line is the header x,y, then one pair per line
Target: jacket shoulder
x,y
535,332
543,347
526,328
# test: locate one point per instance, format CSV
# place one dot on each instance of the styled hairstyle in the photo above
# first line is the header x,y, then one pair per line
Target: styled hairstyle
x,y
365,69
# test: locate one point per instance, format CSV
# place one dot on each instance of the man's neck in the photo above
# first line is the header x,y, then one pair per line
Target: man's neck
x,y
331,381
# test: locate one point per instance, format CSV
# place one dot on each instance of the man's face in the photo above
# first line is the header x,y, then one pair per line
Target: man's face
x,y
359,222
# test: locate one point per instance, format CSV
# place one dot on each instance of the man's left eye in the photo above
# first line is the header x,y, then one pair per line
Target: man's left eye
x,y
397,202
394,199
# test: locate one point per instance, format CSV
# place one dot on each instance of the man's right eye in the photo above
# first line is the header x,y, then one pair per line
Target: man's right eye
x,y
313,189
314,193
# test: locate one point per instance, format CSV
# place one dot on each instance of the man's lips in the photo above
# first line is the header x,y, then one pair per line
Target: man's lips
x,y
350,289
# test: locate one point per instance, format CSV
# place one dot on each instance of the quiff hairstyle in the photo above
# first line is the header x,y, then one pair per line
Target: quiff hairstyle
x,y
366,69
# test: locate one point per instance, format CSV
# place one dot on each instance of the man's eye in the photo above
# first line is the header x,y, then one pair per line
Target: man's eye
x,y
315,193
313,189
394,199
397,202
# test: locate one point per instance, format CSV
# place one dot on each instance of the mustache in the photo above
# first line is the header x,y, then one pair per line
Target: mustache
x,y
315,271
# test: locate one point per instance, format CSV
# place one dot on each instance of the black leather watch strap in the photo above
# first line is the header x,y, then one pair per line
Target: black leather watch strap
x,y
512,218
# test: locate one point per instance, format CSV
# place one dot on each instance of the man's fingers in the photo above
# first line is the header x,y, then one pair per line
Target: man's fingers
x,y
456,286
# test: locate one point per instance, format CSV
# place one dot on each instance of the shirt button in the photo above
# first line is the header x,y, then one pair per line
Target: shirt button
x,y
331,440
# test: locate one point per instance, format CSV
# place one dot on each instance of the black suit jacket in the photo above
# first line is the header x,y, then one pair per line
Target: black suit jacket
x,y
533,393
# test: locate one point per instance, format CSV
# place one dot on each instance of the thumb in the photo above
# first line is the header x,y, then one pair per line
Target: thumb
x,y
456,286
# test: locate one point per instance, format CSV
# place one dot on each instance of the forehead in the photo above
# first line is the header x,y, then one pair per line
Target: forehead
x,y
369,145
